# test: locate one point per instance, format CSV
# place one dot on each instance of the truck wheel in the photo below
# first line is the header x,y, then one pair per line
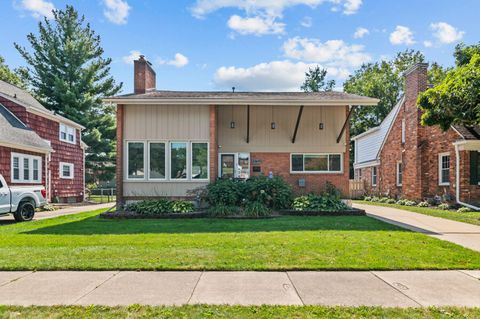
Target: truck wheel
x,y
25,212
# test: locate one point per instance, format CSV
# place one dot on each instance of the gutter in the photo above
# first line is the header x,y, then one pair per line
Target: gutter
x,y
457,180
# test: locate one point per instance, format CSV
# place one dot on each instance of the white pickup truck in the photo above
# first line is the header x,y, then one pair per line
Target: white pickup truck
x,y
21,201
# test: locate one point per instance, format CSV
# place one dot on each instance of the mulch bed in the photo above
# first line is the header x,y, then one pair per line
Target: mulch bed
x,y
132,215
346,212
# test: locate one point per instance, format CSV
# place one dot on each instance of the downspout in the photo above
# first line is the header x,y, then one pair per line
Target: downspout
x,y
457,180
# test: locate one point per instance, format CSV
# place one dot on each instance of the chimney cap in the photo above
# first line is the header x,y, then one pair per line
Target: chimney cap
x,y
142,57
415,67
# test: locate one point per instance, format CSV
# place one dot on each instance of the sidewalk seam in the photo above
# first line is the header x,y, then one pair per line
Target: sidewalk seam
x,y
467,274
16,279
295,288
101,284
418,303
195,287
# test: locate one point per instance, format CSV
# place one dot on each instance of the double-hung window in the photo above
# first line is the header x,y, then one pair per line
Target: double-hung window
x,y
26,168
66,170
374,176
67,134
316,163
399,174
444,169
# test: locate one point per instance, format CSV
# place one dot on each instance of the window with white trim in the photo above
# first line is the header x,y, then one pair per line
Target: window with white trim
x,y
135,160
444,169
399,173
374,176
316,163
178,160
199,163
66,170
157,159
403,131
67,133
26,168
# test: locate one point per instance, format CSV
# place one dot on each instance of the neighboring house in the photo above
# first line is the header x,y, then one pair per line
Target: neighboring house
x,y
172,142
38,146
402,158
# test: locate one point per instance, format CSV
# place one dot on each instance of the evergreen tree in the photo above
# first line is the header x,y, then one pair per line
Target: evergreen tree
x,y
315,81
68,74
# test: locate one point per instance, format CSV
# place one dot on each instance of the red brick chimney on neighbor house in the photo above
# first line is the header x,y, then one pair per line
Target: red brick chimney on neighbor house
x,y
144,76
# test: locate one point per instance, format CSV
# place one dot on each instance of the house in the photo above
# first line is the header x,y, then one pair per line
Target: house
x,y
40,147
172,142
402,158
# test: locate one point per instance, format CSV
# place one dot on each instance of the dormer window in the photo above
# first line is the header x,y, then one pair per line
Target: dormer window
x,y
67,134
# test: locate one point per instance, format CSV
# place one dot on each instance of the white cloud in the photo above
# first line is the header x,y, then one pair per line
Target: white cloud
x,y
116,11
446,33
255,25
360,32
178,61
134,55
38,8
427,44
401,35
263,14
333,53
306,22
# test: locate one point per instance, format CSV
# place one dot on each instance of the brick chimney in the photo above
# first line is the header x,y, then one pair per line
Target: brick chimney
x,y
144,76
416,80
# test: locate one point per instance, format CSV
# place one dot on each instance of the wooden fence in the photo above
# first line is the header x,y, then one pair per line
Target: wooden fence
x,y
357,188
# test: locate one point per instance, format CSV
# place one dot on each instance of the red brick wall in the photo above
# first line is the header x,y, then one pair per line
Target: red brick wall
x,y
366,177
6,164
63,152
468,193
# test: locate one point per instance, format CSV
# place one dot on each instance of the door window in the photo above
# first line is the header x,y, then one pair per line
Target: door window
x,y
227,164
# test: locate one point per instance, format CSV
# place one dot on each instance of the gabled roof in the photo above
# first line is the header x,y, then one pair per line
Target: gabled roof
x,y
277,98
468,132
14,133
369,144
22,97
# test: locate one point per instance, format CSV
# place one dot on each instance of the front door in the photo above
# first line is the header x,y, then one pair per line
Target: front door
x,y
4,199
235,165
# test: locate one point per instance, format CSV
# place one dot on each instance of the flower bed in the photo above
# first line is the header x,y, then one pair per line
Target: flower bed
x,y
134,215
343,212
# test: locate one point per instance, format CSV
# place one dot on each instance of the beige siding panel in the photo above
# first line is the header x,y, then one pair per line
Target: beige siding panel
x,y
171,122
160,189
263,139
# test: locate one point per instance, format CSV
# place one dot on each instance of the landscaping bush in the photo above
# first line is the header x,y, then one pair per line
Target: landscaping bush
x,y
423,204
463,210
401,202
375,199
368,198
391,201
256,209
325,202
410,203
383,199
227,192
444,206
272,192
161,206
222,210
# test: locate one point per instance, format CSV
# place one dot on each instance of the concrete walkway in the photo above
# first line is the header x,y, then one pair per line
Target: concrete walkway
x,y
62,212
377,288
466,235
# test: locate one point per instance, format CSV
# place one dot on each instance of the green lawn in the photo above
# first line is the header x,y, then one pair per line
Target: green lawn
x,y
236,312
470,217
86,242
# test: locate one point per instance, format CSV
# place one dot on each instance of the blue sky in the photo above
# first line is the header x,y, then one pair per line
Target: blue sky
x,y
253,44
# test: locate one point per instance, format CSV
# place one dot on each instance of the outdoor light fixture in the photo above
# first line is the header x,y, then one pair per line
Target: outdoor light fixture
x,y
232,124
273,125
320,126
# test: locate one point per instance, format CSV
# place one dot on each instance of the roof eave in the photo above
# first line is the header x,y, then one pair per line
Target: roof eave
x,y
44,150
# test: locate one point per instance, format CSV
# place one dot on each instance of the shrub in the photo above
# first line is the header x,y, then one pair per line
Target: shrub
x,y
325,202
181,206
444,206
226,191
256,209
301,203
391,201
222,210
383,199
367,198
423,204
271,192
375,199
410,203
463,210
401,202
332,191
161,206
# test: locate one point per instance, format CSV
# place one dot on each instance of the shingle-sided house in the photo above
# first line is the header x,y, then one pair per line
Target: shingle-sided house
x,y
169,143
402,158
39,147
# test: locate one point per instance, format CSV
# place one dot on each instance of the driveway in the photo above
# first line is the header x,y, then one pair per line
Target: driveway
x,y
463,234
61,212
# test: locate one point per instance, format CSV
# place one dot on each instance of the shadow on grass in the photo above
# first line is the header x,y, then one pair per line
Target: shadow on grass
x,y
96,225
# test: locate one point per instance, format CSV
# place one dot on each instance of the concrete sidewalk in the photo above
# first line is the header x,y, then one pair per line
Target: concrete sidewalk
x,y
466,235
62,212
377,288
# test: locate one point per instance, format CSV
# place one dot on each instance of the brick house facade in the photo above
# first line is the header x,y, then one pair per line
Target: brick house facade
x,y
302,137
419,162
63,156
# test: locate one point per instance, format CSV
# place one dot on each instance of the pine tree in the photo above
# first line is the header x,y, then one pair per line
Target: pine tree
x,y
68,74
315,81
